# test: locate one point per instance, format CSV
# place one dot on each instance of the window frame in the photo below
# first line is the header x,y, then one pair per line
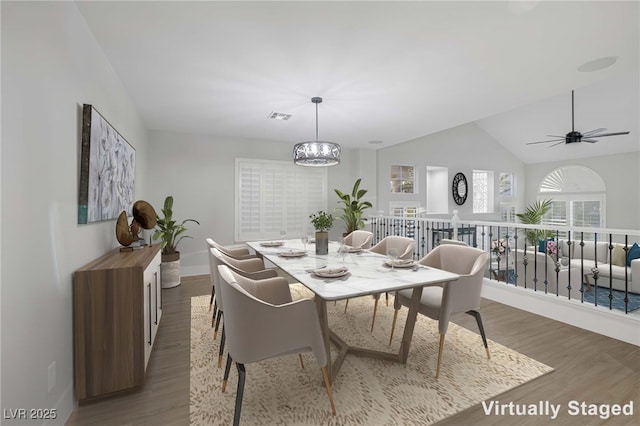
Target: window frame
x,y
296,184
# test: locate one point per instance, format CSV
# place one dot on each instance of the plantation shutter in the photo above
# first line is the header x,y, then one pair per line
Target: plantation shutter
x,y
275,196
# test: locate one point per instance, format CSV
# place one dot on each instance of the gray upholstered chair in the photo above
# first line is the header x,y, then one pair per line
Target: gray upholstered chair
x,y
251,270
405,248
462,295
359,239
269,331
450,241
236,253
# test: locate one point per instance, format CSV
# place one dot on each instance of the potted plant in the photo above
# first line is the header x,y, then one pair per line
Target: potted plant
x,y
353,207
533,216
322,222
168,231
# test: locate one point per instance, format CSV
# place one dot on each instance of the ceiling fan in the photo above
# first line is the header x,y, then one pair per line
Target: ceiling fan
x,y
574,136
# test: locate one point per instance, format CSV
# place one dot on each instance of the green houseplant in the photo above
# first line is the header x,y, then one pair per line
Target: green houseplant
x,y
169,232
533,216
353,207
322,222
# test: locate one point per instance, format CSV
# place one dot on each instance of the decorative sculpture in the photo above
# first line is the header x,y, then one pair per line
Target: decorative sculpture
x,y
144,216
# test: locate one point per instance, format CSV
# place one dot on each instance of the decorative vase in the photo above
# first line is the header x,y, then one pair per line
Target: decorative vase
x,y
322,242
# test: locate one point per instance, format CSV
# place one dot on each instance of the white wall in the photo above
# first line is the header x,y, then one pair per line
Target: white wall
x,y
199,172
621,174
51,65
461,149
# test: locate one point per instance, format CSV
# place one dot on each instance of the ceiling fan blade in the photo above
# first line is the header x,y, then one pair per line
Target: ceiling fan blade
x,y
556,136
589,140
557,143
552,140
590,132
609,134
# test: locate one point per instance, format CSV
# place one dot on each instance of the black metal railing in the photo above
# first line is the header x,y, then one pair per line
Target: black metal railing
x,y
592,265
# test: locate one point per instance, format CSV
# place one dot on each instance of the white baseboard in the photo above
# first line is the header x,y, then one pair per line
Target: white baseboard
x,y
598,319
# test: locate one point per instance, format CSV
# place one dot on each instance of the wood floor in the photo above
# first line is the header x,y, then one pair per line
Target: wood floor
x,y
588,367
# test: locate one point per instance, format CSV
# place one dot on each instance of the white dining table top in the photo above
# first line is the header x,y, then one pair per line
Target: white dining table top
x,y
368,273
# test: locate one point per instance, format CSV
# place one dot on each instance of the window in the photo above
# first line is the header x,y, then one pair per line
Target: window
x,y
482,191
577,196
275,196
506,186
402,179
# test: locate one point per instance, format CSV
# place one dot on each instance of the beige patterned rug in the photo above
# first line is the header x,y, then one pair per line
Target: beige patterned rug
x,y
366,391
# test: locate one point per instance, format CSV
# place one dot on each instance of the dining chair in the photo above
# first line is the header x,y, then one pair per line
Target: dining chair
x,y
235,252
404,247
359,239
462,295
450,241
270,330
250,268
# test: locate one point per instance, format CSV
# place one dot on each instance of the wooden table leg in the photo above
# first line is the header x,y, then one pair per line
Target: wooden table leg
x,y
412,315
321,306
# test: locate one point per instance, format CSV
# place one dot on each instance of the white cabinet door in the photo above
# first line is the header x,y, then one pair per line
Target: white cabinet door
x,y
152,305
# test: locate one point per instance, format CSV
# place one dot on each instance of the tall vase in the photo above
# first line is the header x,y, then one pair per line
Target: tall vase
x,y
322,242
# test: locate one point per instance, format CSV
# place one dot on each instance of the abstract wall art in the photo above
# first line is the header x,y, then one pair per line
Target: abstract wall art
x,y
107,170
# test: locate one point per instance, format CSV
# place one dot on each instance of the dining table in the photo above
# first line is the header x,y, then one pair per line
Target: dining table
x,y
344,273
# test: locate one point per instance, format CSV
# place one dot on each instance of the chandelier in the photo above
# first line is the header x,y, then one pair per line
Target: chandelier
x,y
316,153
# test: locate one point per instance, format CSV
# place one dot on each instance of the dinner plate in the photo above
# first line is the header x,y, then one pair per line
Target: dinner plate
x,y
272,243
331,273
293,253
401,263
354,249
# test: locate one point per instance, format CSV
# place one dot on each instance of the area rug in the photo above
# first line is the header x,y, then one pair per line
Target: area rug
x,y
617,302
366,391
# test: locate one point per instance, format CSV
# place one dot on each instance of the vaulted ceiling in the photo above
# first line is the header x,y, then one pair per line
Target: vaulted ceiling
x,y
388,71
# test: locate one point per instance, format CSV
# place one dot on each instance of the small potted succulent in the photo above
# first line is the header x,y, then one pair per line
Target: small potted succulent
x,y
322,222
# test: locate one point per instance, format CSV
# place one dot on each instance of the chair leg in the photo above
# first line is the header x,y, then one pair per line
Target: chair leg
x,y
478,318
211,300
327,386
301,361
241,375
393,324
215,330
222,338
440,355
346,305
386,297
376,298
226,373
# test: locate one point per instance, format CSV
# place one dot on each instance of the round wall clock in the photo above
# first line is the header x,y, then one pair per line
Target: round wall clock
x,y
459,188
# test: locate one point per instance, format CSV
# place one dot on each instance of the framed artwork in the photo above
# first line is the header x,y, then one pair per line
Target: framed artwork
x,y
107,170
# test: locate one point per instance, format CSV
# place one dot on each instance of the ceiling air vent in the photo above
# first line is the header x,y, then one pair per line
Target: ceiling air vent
x,y
279,116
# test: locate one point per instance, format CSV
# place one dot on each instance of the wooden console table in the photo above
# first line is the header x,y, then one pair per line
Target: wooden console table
x,y
117,306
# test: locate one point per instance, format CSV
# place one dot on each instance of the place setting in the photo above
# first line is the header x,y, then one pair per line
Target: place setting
x,y
292,253
330,274
393,262
272,243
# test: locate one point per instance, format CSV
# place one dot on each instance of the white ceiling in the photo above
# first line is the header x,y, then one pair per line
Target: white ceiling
x,y
388,71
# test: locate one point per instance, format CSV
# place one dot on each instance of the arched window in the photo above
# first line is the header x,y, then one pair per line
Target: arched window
x,y
578,197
